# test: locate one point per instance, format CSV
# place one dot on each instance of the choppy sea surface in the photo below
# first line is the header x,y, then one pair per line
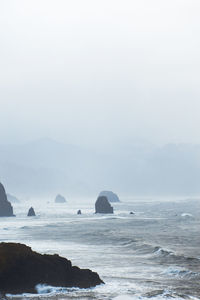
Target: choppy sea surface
x,y
151,254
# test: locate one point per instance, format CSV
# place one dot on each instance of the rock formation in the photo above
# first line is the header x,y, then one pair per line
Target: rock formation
x,y
6,209
21,269
12,199
103,206
60,199
79,212
31,212
112,197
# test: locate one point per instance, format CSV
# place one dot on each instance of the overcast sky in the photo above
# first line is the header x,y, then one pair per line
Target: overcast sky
x,y
89,72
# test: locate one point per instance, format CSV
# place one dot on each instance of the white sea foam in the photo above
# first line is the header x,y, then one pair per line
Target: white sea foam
x,y
47,289
162,295
185,215
179,272
159,251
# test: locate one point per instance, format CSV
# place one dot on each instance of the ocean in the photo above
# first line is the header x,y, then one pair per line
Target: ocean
x,y
151,254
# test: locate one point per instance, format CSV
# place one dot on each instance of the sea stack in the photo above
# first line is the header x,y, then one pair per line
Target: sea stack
x,y
6,209
31,212
103,206
112,197
21,269
60,199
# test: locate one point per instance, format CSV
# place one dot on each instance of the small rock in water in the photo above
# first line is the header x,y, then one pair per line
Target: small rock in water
x,y
79,212
131,213
31,212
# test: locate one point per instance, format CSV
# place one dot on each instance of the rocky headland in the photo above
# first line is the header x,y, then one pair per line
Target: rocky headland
x,y
21,269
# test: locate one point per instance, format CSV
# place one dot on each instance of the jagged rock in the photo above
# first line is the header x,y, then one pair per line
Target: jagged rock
x,y
60,199
31,212
21,269
12,199
6,209
79,212
103,206
112,197
131,213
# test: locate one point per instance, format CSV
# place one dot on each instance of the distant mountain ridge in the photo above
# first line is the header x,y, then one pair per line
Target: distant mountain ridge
x,y
45,166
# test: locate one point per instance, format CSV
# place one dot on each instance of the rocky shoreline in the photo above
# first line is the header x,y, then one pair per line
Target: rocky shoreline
x,y
21,269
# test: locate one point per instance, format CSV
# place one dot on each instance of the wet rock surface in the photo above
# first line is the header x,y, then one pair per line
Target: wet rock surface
x,y
21,269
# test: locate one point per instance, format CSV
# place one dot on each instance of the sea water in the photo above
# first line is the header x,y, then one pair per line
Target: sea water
x,y
151,254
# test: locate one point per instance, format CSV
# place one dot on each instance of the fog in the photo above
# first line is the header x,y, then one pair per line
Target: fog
x,y
109,77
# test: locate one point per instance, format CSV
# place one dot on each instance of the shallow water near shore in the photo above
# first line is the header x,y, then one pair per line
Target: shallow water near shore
x,y
152,254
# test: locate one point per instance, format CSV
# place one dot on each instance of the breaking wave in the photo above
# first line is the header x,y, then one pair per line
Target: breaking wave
x,y
181,273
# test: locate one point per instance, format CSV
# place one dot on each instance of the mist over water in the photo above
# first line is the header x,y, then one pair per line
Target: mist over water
x,y
104,95
46,167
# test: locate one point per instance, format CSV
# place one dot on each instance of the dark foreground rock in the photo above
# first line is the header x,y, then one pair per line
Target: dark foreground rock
x,y
31,212
6,209
103,206
60,199
79,212
112,197
21,269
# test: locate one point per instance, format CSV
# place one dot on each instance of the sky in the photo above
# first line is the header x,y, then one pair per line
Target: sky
x,y
96,72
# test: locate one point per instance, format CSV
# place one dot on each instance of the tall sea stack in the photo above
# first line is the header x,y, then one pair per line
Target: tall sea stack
x,y
6,209
103,206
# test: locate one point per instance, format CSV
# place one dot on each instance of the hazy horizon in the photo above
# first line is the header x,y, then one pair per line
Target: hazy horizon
x,y
92,73
116,83
46,167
